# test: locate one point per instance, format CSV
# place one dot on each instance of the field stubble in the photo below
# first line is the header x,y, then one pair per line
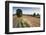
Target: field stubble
x,y
31,21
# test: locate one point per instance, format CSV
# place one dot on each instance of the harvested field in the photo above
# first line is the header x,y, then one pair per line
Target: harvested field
x,y
28,21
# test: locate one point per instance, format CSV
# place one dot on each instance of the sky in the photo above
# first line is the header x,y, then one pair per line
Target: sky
x,y
27,10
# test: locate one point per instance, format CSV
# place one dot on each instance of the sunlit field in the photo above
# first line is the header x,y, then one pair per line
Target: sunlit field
x,y
27,21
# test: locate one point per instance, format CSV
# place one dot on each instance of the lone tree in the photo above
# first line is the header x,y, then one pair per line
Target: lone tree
x,y
34,14
19,12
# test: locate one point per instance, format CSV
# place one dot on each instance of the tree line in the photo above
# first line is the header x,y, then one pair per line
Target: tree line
x,y
36,14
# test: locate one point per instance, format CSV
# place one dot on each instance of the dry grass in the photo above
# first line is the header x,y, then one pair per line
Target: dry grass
x,y
30,20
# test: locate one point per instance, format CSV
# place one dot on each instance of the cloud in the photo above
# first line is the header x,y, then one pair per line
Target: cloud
x,y
27,10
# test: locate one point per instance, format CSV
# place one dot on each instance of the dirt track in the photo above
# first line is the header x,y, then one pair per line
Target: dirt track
x,y
31,21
